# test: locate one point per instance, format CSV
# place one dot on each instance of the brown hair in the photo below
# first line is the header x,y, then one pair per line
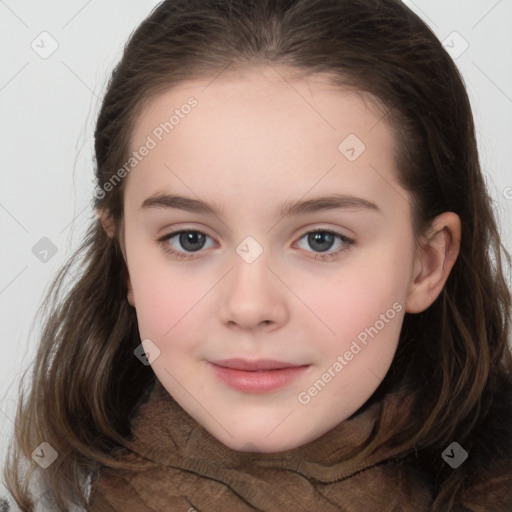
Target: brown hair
x,y
454,356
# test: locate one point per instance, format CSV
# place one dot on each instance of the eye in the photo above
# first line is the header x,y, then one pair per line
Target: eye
x,y
193,241
190,240
323,241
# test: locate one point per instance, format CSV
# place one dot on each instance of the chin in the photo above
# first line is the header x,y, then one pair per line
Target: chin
x,y
258,445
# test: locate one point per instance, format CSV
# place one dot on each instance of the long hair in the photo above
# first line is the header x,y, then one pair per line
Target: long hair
x,y
454,357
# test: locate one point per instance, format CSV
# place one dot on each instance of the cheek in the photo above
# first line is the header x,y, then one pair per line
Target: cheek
x,y
164,301
160,293
169,301
349,304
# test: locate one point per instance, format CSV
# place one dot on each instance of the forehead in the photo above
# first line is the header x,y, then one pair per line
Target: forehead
x,y
312,99
261,131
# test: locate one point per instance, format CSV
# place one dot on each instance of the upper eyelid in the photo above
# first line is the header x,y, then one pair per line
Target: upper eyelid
x,y
302,233
313,226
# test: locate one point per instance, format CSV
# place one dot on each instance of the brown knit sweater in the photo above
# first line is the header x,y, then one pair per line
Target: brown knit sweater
x,y
195,472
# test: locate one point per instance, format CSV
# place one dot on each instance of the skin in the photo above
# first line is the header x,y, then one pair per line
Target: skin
x,y
259,139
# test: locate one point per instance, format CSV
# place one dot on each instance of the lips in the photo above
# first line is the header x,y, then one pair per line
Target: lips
x,y
261,376
254,366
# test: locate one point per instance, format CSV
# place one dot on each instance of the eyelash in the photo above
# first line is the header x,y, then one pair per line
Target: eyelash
x,y
320,256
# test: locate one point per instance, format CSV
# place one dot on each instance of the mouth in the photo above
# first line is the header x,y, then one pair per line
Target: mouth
x,y
260,376
255,365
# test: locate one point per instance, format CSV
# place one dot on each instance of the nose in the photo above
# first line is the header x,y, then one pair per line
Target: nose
x,y
253,296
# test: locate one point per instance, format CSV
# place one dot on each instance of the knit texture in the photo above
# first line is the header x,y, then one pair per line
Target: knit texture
x,y
193,471
196,471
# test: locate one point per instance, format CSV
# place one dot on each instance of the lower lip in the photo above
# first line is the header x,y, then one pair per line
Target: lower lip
x,y
259,381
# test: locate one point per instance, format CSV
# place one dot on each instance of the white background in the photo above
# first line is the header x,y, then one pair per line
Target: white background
x,y
48,109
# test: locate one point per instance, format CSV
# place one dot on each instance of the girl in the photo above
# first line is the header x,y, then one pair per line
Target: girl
x,y
213,354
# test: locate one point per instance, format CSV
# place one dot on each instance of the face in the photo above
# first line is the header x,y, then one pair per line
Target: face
x,y
321,289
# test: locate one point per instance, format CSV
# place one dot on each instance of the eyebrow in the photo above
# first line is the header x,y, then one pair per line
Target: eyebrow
x,y
289,208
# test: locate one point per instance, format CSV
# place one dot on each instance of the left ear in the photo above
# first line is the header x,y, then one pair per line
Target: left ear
x,y
434,262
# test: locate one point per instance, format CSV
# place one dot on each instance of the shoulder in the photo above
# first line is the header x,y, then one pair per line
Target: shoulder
x,y
488,484
41,496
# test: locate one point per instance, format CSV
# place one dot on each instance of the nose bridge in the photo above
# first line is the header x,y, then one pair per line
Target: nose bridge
x,y
252,295
251,268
